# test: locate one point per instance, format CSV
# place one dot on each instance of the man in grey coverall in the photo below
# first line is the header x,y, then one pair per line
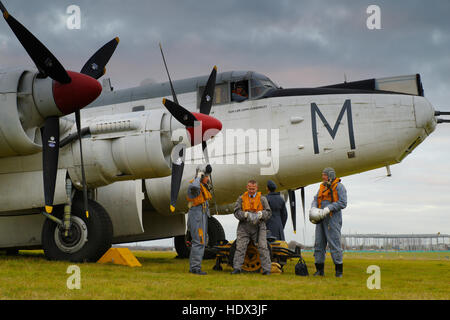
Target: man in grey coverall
x,y
198,196
252,210
327,215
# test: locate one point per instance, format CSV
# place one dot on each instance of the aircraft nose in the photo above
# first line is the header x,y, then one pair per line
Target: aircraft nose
x,y
77,94
424,113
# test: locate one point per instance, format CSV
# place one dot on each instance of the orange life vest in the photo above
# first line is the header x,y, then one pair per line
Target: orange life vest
x,y
204,196
325,194
252,204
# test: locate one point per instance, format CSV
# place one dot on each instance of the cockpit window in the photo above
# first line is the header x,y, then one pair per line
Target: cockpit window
x,y
239,91
259,87
220,94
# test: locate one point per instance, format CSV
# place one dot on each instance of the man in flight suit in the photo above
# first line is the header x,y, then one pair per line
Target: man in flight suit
x,y
252,210
198,195
327,215
275,225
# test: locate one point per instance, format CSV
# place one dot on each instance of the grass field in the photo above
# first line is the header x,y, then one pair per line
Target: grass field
x,y
403,276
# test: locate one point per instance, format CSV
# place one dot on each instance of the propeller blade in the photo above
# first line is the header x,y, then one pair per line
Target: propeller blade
x,y
208,94
83,175
292,204
50,153
44,60
168,75
213,193
206,156
205,108
184,116
95,67
302,192
177,156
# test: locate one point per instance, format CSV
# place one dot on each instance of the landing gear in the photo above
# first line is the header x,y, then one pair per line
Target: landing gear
x,y
215,234
87,239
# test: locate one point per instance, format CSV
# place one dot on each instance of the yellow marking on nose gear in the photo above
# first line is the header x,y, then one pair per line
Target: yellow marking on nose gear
x,y
48,209
172,208
87,214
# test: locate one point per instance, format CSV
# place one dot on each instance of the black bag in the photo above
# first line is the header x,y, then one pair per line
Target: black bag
x,y
300,268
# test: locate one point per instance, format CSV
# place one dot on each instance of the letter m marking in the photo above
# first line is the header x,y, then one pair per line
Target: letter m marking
x,y
315,111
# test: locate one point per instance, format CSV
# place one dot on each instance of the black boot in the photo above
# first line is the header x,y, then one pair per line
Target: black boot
x,y
339,270
320,269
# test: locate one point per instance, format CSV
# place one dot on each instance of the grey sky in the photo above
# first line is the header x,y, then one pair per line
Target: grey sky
x,y
295,43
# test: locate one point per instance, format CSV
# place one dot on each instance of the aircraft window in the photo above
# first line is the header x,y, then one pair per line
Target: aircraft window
x,y
239,91
260,87
220,94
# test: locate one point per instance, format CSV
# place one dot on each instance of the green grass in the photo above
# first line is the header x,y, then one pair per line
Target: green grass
x,y
403,276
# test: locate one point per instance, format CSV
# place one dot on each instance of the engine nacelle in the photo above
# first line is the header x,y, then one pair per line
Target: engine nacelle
x,y
25,102
130,146
18,136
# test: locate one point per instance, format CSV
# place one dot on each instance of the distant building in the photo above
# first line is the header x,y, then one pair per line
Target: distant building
x,y
406,242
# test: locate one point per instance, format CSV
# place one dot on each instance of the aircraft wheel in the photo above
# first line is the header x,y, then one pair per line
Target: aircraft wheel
x,y
215,234
88,238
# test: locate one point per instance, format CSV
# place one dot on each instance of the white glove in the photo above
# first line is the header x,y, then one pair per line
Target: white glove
x,y
326,211
259,215
316,215
246,214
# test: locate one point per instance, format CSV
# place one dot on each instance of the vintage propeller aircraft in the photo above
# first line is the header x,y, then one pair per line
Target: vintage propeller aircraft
x,y
142,144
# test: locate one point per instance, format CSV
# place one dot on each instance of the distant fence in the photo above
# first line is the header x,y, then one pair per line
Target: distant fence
x,y
396,242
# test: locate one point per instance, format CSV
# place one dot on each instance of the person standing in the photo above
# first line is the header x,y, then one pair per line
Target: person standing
x,y
275,225
252,210
198,195
326,213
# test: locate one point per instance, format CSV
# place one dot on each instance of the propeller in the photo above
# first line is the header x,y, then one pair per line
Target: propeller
x,y
190,121
71,91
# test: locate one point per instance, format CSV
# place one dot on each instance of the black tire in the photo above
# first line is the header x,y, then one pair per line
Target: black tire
x,y
180,247
215,234
89,239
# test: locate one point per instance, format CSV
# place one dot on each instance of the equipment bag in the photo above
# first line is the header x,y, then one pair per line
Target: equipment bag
x,y
300,268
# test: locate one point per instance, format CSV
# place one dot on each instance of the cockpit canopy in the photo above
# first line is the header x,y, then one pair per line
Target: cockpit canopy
x,y
238,86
